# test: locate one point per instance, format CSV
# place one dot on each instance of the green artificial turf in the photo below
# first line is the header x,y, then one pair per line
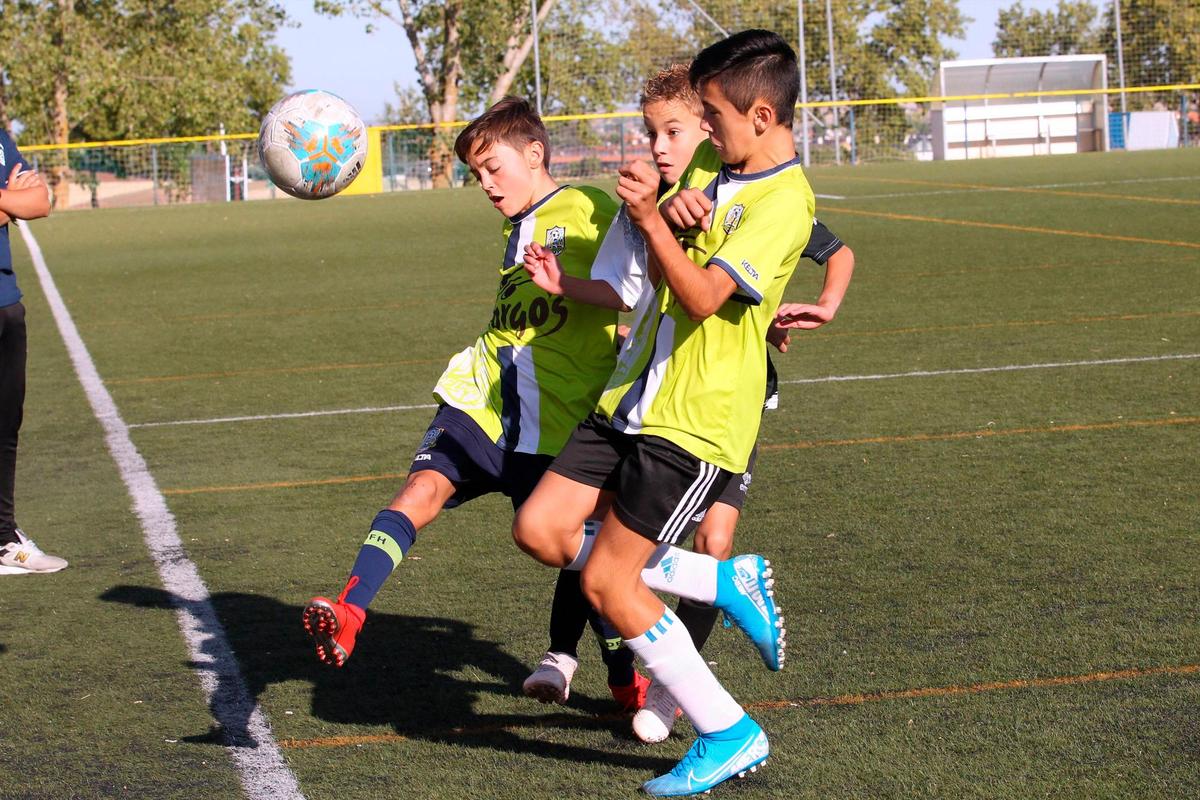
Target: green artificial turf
x,y
975,534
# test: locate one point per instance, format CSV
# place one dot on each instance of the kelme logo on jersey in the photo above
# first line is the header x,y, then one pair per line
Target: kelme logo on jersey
x,y
556,239
733,218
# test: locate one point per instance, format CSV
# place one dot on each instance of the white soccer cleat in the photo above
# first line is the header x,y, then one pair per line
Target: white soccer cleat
x,y
654,720
551,681
23,557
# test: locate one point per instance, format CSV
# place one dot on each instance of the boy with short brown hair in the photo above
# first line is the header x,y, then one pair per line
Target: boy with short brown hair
x,y
507,403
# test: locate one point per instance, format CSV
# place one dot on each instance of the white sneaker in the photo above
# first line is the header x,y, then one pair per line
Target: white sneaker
x,y
653,721
551,681
23,557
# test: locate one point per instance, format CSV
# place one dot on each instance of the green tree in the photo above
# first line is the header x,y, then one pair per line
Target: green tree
x,y
882,48
1161,43
1069,29
47,66
464,49
107,69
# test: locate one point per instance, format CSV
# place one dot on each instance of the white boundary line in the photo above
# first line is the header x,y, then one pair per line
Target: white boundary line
x,y
292,415
980,189
245,728
828,379
1008,368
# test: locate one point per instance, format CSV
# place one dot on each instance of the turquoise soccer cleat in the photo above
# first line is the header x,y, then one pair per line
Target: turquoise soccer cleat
x,y
745,594
713,759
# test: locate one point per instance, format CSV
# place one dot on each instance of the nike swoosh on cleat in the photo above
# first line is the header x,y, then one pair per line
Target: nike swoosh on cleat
x,y
694,779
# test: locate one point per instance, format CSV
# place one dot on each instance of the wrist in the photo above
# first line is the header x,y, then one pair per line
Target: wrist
x,y
830,304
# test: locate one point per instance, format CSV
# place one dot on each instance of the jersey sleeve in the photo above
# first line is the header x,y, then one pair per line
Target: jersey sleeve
x,y
12,156
754,249
621,260
822,244
584,227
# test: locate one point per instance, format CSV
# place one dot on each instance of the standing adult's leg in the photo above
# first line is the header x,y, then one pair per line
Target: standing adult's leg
x,y
13,348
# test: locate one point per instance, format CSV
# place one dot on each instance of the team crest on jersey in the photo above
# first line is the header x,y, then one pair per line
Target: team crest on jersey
x,y
733,218
431,437
556,239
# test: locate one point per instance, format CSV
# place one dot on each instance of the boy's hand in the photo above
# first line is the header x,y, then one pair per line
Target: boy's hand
x,y
687,209
542,266
24,178
779,338
638,187
804,316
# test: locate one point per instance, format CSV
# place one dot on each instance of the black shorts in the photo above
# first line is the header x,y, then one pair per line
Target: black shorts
x,y
738,486
662,491
455,446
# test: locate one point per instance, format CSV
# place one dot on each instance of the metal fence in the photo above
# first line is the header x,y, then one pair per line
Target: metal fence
x,y
215,169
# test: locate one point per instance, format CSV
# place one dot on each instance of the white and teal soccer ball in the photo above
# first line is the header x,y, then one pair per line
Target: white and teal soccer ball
x,y
312,144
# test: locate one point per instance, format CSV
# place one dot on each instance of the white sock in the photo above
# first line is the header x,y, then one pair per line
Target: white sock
x,y
590,528
671,659
670,569
682,573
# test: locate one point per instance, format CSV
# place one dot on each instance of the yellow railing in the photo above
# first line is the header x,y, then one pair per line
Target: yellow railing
x,y
1174,87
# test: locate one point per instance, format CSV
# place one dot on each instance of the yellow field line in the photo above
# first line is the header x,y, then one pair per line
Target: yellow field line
x,y
979,688
774,705
250,487
983,433
884,332
1007,227
268,371
288,312
803,445
1021,190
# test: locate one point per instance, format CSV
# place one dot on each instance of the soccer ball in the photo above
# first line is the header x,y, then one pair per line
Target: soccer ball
x,y
312,144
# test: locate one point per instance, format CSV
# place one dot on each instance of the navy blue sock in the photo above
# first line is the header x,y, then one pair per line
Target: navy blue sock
x,y
617,657
568,614
392,533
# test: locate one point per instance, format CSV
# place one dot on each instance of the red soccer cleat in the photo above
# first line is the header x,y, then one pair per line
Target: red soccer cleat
x,y
333,625
632,696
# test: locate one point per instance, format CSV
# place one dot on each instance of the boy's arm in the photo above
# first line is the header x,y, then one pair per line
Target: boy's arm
x,y
543,267
700,292
838,270
26,196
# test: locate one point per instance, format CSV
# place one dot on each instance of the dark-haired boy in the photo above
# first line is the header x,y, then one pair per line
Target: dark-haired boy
x,y
682,409
672,113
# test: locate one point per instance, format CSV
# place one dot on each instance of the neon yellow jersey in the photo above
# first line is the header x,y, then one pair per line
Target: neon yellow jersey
x,y
700,384
540,365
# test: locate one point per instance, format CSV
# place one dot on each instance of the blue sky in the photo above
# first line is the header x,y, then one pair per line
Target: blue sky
x,y
338,55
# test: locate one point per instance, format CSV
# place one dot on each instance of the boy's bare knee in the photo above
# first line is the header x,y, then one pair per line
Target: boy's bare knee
x,y
536,534
718,544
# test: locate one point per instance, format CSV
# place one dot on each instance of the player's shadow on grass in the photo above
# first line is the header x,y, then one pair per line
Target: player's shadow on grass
x,y
420,675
